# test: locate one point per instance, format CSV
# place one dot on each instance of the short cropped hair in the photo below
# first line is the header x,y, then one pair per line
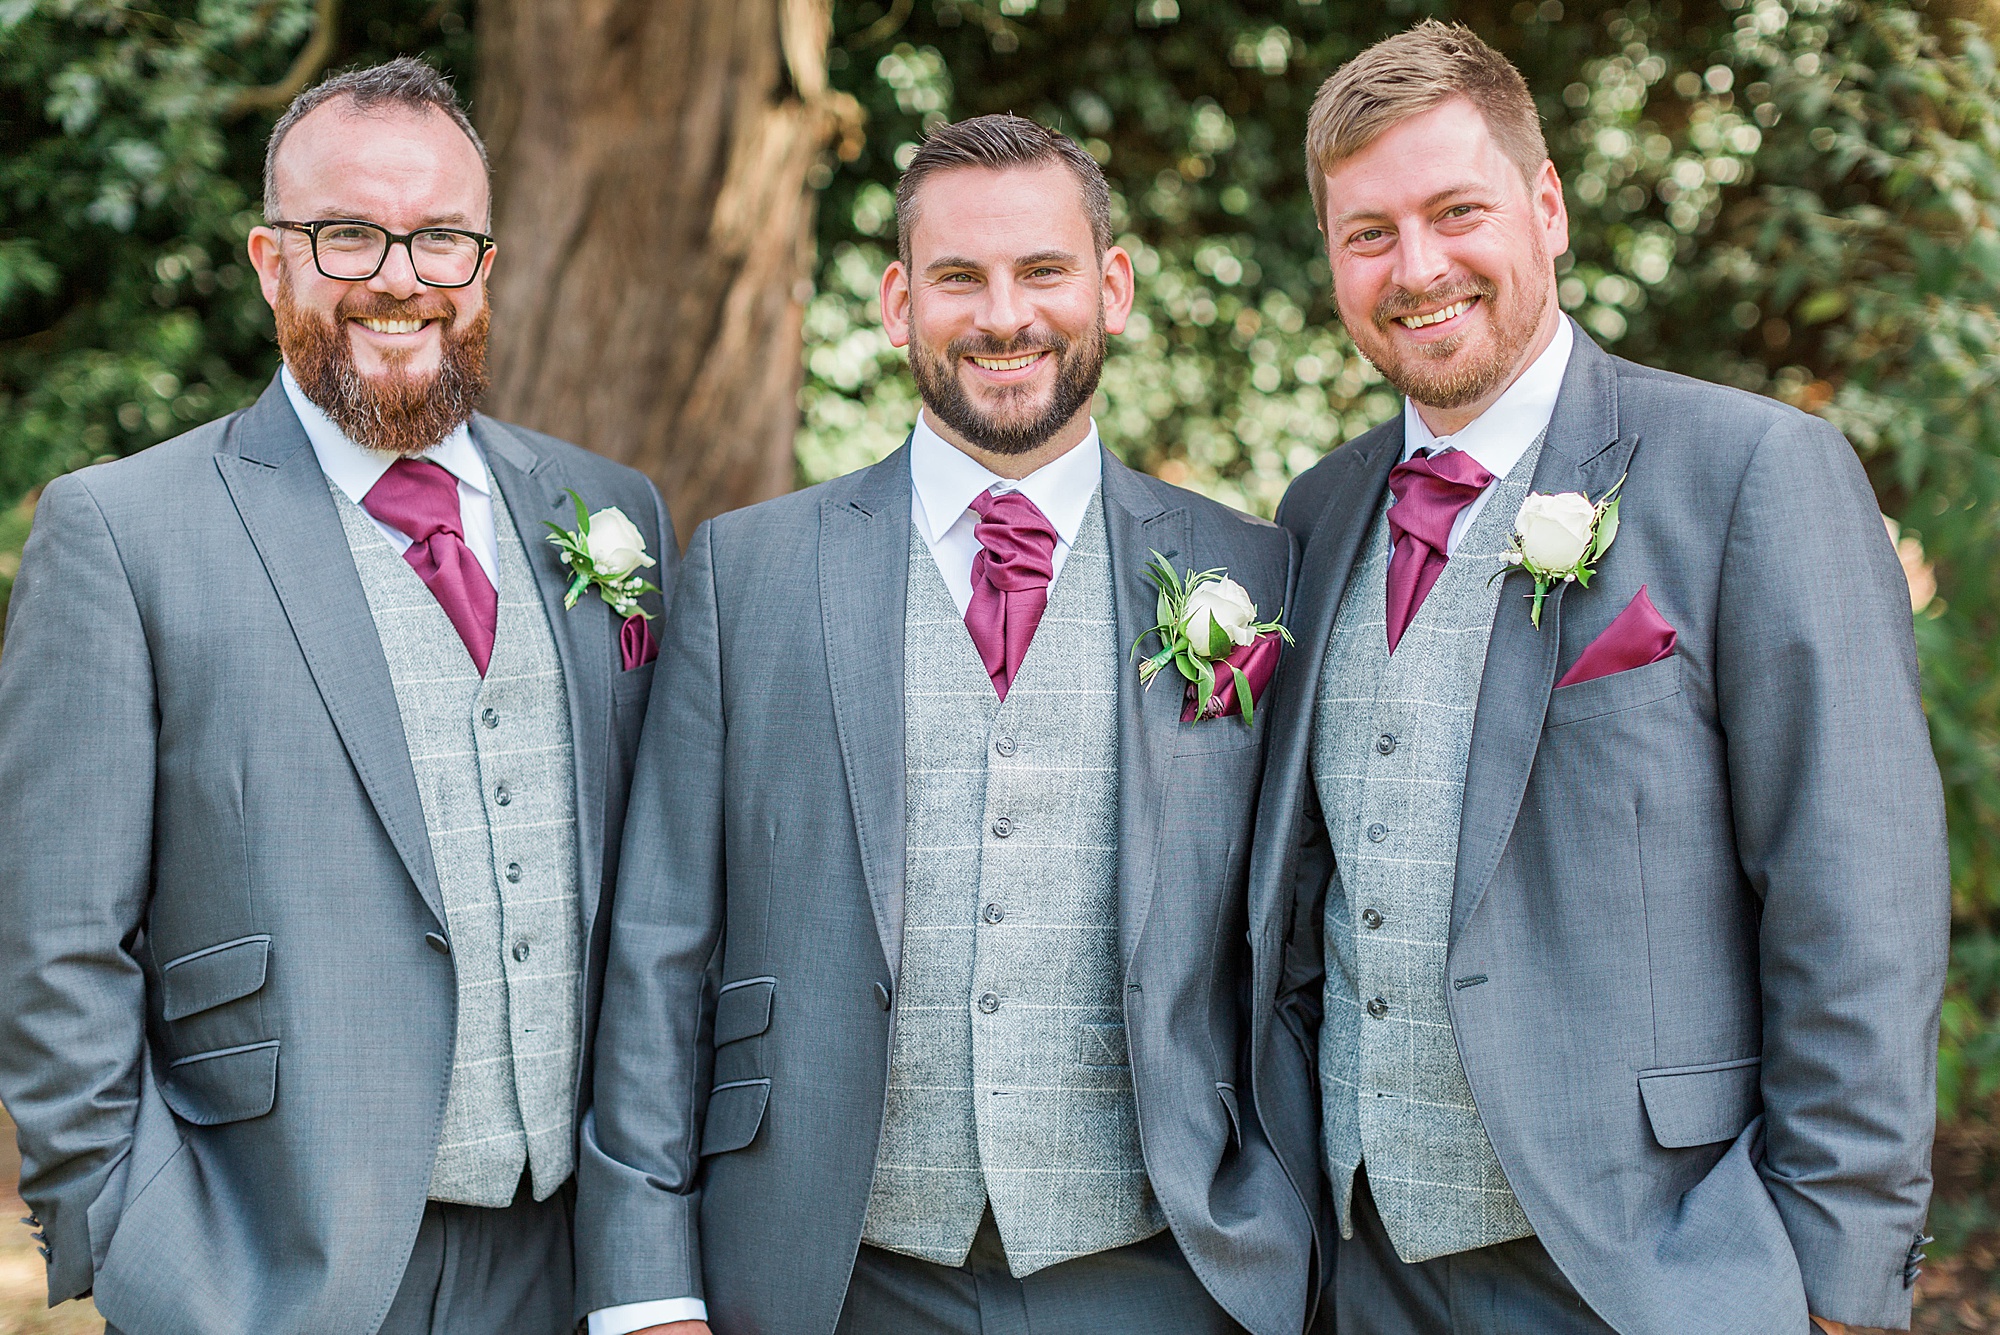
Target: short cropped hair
x,y
404,82
1407,75
997,143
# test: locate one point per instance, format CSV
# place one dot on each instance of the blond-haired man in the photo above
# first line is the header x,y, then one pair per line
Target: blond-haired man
x,y
1632,898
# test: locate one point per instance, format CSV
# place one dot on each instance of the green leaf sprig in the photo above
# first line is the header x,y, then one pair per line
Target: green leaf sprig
x,y
1196,662
621,591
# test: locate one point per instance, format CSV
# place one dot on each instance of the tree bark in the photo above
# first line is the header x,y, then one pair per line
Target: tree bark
x,y
655,226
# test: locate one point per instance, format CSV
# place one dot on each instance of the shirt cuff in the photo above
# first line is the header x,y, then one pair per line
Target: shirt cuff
x,y
628,1317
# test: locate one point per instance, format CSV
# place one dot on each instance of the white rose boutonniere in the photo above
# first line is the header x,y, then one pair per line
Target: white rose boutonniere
x,y
606,550
1559,538
1209,631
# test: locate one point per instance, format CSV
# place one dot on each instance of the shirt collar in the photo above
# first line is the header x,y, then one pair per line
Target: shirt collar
x,y
1498,437
355,468
947,479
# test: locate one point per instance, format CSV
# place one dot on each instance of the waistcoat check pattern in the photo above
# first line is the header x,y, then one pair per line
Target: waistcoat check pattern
x,y
1391,738
1009,1077
495,773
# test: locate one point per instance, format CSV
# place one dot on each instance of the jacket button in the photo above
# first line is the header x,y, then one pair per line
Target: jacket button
x,y
1386,743
501,795
1378,1008
437,943
1370,919
994,913
490,716
1377,832
988,1004
1002,827
1005,746
882,996
514,873
521,952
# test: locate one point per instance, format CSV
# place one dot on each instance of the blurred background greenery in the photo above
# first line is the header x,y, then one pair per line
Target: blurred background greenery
x,y
1793,196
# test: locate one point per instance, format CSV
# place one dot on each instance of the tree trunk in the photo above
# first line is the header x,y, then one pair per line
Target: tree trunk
x,y
650,161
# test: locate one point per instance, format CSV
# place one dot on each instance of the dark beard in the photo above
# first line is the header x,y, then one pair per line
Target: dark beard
x,y
1078,366
1437,387
397,413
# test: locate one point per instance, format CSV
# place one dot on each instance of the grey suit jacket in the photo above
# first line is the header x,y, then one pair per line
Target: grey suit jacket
x,y
744,1050
1700,913
223,1034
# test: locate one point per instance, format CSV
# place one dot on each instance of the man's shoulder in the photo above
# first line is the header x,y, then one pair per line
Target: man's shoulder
x,y
586,465
1313,490
1212,519
1648,396
153,474
798,511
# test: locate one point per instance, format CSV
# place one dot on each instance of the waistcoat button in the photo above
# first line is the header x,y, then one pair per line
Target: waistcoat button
x,y
1378,1008
994,913
1002,827
989,1003
1005,746
514,872
490,716
1386,743
501,795
1370,919
1377,832
521,952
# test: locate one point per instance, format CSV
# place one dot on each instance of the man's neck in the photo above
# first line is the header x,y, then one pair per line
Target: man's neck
x,y
1450,421
1014,467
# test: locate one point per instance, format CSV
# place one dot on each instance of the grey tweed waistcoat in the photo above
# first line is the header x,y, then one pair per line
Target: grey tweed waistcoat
x,y
1009,1076
1391,737
495,773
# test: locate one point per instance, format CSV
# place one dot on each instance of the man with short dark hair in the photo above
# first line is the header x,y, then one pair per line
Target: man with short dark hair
x,y
1600,773
312,783
925,1008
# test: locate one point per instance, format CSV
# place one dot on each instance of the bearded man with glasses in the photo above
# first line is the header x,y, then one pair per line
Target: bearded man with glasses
x,y
298,1010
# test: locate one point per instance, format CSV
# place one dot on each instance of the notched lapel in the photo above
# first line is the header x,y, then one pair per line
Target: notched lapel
x,y
864,563
1584,452
275,481
1149,720
535,488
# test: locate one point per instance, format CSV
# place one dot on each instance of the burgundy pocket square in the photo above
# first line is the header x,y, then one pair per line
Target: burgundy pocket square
x,y
1637,636
636,645
1258,661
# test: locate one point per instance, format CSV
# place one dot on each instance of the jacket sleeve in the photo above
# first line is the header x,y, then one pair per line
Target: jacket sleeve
x,y
78,734
637,1235
1840,830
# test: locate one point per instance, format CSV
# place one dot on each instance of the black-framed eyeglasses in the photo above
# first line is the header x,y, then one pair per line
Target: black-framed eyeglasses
x,y
349,250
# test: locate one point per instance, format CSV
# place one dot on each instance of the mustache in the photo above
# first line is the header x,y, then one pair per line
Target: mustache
x,y
363,304
1020,345
1399,301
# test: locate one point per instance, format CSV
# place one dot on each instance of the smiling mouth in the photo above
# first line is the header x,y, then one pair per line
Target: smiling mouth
x,y
1452,311
1007,363
390,326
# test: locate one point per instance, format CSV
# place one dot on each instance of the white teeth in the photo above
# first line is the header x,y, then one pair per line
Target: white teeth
x,y
1010,364
1435,317
393,326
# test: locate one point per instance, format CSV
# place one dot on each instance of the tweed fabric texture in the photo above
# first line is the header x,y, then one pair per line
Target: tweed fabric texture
x,y
1009,1076
495,773
1391,737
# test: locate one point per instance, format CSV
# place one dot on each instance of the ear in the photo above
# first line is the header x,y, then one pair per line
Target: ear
x,y
1119,289
266,247
896,304
1550,210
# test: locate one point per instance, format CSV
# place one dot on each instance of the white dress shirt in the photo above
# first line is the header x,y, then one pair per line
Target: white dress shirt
x,y
355,468
944,480
1498,437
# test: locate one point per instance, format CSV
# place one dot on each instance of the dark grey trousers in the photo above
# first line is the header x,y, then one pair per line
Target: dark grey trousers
x,y
490,1272
1513,1288
1144,1289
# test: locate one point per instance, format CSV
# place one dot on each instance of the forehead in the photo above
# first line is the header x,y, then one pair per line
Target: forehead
x,y
997,216
397,165
1448,147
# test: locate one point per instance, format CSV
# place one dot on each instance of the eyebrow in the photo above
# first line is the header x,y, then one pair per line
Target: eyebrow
x,y
1354,215
451,219
1023,262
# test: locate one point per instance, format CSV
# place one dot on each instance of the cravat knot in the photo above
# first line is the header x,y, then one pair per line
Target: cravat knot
x,y
1010,581
419,499
1430,491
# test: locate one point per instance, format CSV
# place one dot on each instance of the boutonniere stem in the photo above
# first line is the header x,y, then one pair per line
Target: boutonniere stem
x,y
1208,627
1559,539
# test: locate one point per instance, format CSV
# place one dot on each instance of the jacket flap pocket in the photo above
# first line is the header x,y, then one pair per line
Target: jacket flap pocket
x,y
1614,694
228,1085
743,1009
1700,1105
207,978
735,1111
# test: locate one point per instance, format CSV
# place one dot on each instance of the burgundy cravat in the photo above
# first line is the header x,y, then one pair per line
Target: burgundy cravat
x,y
419,499
1430,490
1010,581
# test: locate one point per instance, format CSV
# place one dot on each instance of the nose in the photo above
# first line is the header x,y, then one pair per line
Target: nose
x,y
1421,261
398,275
1006,310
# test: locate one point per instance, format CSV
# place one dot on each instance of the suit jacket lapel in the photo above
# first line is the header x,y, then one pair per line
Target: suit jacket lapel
x,y
274,478
1583,452
864,564
535,488
1360,476
1139,524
